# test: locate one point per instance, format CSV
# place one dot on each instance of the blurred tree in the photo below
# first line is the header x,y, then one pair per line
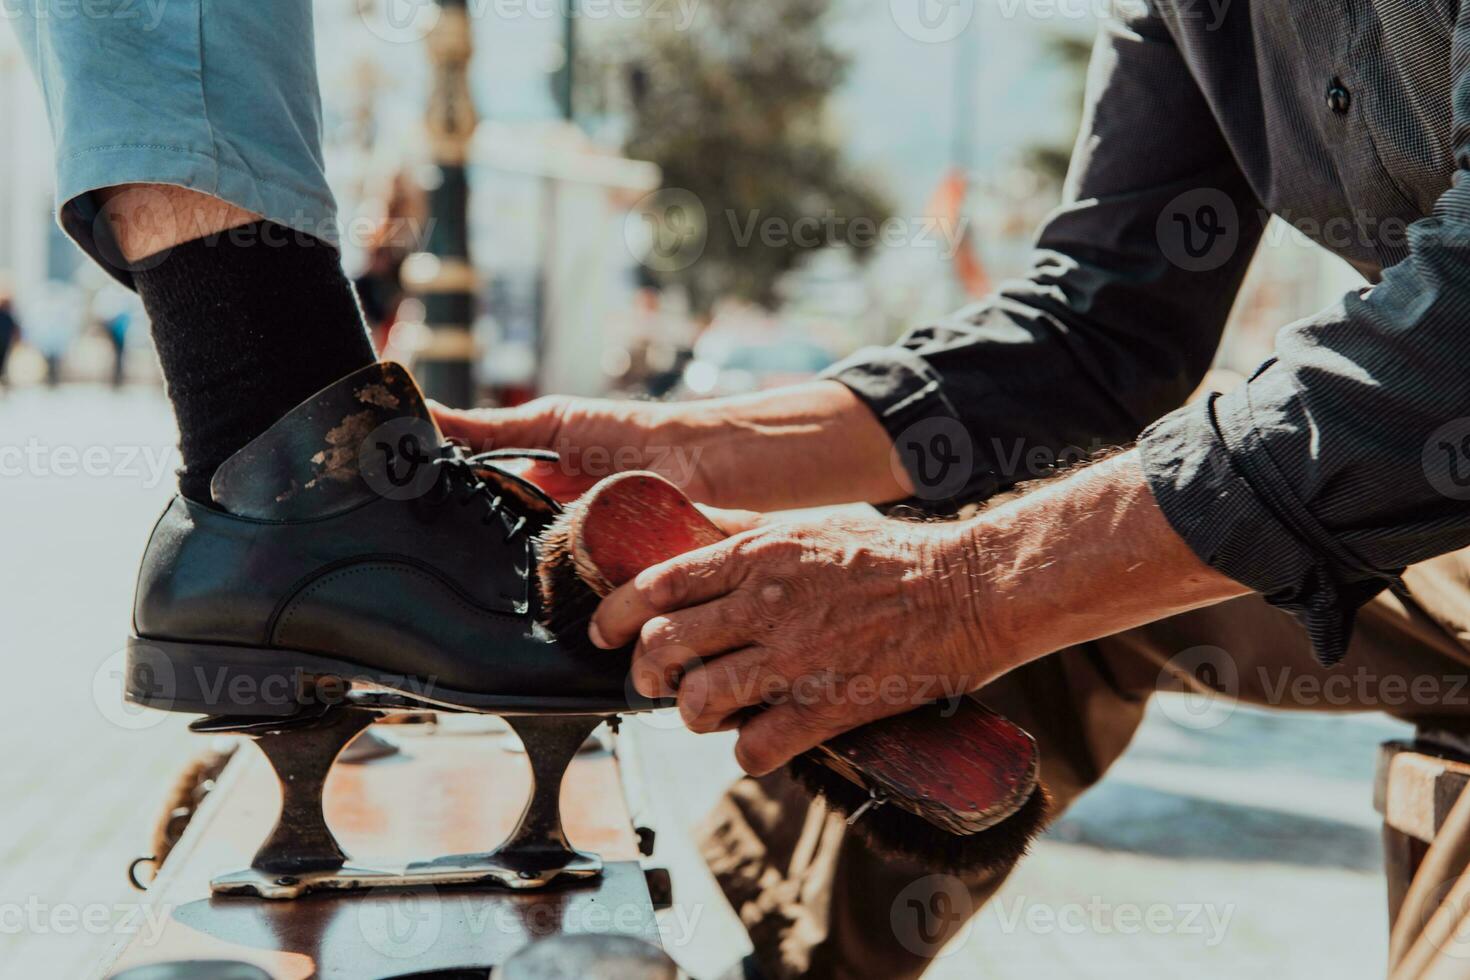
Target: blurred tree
x,y
1071,53
732,107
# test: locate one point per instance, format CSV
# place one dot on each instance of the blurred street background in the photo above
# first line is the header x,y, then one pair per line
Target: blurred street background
x,y
714,196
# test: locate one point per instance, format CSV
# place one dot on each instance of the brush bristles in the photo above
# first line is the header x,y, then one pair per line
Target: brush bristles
x,y
567,601
895,832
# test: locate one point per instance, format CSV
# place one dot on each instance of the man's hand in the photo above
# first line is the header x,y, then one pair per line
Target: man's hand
x,y
801,446
822,625
594,437
797,632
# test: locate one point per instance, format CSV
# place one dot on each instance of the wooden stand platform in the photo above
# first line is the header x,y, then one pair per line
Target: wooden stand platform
x,y
444,793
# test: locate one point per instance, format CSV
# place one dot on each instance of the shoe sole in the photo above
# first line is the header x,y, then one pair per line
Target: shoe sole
x,y
216,679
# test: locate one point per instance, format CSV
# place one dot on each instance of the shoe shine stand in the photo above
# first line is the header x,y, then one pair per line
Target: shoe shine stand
x,y
301,855
304,909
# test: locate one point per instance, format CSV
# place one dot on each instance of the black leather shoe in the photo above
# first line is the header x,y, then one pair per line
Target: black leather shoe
x,y
351,543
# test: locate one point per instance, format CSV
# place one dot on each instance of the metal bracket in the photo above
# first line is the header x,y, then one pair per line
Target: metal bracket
x,y
301,855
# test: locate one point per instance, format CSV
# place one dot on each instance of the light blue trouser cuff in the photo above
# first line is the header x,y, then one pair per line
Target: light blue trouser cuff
x,y
219,96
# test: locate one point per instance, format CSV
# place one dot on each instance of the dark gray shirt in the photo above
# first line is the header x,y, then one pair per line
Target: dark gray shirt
x,y
1347,456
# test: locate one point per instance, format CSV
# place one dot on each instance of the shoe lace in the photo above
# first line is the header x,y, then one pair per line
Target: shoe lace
x,y
459,481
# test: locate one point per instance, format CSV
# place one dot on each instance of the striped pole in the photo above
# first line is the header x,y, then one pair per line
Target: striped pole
x,y
441,276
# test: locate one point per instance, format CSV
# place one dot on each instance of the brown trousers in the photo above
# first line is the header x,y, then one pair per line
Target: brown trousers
x,y
817,903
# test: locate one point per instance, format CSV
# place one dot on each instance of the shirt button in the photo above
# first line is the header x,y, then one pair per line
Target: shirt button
x,y
1339,99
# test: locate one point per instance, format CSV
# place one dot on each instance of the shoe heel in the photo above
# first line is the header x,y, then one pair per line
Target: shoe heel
x,y
213,679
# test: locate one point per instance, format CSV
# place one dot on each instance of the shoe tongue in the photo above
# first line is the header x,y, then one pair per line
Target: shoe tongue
x,y
363,437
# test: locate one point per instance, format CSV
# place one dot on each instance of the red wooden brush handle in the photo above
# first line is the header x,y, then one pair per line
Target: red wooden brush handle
x,y
957,764
961,766
634,521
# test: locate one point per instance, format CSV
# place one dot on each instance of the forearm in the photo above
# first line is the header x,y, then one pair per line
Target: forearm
x,y
1084,557
830,623
803,446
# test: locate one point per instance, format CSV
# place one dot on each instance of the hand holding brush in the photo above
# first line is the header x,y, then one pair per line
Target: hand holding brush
x,y
950,784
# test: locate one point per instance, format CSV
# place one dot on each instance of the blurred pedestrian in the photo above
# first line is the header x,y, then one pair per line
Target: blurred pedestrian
x,y
58,317
116,309
9,333
380,285
117,332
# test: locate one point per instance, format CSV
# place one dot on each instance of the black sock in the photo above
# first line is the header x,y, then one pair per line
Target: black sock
x,y
248,324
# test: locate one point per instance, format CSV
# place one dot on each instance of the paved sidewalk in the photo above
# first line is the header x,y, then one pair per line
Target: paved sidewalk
x,y
82,786
1246,849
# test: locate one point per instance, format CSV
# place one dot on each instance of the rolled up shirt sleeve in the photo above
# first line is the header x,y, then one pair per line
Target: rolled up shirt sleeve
x,y
1346,458
1119,316
1342,461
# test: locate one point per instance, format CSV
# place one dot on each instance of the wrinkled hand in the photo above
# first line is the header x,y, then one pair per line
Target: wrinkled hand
x,y
807,445
595,438
796,632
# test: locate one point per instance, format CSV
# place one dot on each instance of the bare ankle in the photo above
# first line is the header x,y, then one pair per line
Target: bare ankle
x,y
149,218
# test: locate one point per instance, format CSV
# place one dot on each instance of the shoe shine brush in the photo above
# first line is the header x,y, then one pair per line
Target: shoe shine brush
x,y
951,786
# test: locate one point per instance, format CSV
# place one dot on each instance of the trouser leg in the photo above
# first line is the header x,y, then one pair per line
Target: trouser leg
x,y
818,903
219,98
189,164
